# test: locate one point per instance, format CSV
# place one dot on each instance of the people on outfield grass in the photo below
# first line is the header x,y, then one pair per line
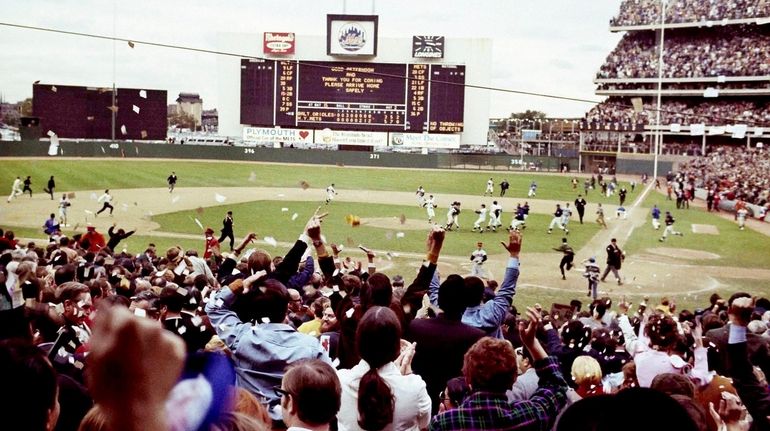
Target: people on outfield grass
x,y
621,213
15,189
532,189
622,195
330,193
227,230
615,258
567,258
453,216
211,245
556,221
50,186
92,240
586,186
655,217
64,204
27,186
420,193
478,257
106,200
430,207
600,216
518,222
669,230
580,206
592,273
495,214
490,187
171,180
482,212
504,187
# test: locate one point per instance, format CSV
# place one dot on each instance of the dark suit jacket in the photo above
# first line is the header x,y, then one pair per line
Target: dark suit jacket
x,y
719,359
441,346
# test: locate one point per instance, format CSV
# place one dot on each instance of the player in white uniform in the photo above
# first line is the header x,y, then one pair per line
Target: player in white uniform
x,y
106,200
566,213
478,257
64,203
482,212
453,216
330,192
15,189
490,187
430,205
495,214
532,189
742,213
420,196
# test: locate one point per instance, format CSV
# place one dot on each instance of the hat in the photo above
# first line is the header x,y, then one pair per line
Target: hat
x,y
91,228
592,259
672,383
209,230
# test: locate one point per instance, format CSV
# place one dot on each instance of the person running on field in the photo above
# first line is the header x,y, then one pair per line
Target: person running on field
x,y
566,260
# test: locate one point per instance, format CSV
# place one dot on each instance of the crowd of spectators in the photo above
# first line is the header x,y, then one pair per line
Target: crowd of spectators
x,y
699,86
735,173
97,340
691,53
683,111
646,12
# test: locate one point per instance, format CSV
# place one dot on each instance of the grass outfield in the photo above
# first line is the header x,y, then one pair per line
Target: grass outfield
x,y
78,174
267,219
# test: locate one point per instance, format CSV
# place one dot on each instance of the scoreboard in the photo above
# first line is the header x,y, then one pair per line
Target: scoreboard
x,y
384,97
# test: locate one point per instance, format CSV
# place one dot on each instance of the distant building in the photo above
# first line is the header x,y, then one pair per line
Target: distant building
x,y
192,105
210,120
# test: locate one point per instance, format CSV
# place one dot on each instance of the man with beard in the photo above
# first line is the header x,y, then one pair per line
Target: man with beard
x,y
330,332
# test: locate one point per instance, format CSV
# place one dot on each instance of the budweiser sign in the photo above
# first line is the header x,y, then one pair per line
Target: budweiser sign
x,y
278,43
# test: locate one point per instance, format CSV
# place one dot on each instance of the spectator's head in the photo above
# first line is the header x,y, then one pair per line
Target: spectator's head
x,y
524,360
377,291
171,301
605,412
662,331
586,372
474,291
270,301
34,401
311,394
295,300
451,297
455,392
329,321
95,420
148,301
575,335
598,308
260,261
76,299
378,339
673,384
64,274
318,305
490,366
737,295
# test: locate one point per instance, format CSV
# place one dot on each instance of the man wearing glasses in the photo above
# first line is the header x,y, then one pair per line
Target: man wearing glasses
x,y
310,395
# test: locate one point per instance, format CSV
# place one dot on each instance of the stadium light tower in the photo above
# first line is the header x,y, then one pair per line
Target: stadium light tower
x,y
659,132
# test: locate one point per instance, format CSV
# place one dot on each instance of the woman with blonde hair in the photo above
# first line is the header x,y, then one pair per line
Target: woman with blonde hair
x,y
587,375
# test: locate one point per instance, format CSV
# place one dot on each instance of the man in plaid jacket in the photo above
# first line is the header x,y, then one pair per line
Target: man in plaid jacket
x,y
490,370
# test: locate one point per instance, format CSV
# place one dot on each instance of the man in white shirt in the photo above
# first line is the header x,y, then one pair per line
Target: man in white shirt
x,y
420,196
106,199
490,187
482,212
478,257
330,192
64,203
495,213
15,189
310,395
430,205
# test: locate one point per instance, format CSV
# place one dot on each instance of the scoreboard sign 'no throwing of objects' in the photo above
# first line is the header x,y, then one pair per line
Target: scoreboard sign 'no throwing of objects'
x,y
351,35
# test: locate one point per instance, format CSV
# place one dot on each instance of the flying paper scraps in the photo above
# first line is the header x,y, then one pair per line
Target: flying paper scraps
x,y
198,222
349,242
270,240
253,177
219,198
93,196
123,129
294,216
402,219
143,94
199,210
135,108
399,234
353,220
130,44
143,133
71,195
175,199
88,211
304,184
53,88
284,209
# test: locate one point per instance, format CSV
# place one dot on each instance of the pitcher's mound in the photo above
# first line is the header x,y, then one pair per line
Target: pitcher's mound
x,y
395,223
682,253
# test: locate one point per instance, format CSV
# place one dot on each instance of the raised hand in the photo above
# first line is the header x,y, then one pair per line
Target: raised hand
x,y
514,243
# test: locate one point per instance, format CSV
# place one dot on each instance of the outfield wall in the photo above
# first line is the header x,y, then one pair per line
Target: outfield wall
x,y
285,155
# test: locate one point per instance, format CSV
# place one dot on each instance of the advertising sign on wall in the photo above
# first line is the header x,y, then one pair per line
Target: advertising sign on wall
x,y
278,43
274,134
341,137
424,140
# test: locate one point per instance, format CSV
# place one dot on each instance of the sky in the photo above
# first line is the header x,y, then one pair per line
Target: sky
x,y
543,46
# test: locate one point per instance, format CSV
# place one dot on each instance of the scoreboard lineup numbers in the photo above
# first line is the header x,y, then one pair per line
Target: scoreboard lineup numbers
x,y
355,96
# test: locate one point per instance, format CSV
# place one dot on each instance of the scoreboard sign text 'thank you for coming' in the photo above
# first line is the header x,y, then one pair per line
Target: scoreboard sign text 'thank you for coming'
x,y
351,35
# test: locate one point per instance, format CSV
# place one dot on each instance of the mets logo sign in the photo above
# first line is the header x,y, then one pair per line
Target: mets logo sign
x,y
352,36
